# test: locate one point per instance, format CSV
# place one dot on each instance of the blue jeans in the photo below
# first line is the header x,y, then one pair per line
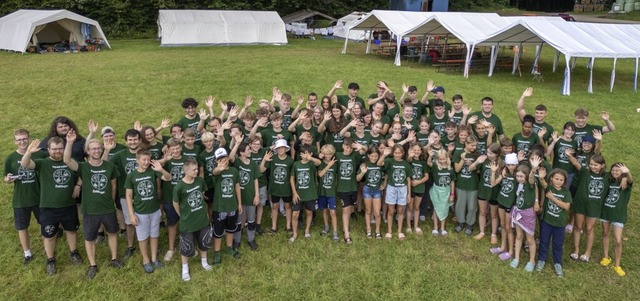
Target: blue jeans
x,y
555,235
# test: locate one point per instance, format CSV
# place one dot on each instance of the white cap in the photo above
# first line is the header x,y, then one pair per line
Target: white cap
x,y
511,159
107,129
220,153
280,143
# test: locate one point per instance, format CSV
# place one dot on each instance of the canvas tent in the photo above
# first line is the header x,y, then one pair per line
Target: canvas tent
x,y
575,40
26,27
343,24
220,27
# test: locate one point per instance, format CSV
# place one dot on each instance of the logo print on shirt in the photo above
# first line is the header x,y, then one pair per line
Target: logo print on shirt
x,y
346,169
61,176
195,199
304,178
596,187
613,197
227,186
99,181
145,188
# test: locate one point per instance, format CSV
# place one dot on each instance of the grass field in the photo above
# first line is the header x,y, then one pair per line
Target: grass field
x,y
139,80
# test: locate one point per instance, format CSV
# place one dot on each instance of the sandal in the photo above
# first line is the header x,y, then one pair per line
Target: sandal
x,y
418,231
369,235
606,261
574,256
434,232
584,258
504,256
388,236
494,239
444,233
480,236
347,240
378,236
401,236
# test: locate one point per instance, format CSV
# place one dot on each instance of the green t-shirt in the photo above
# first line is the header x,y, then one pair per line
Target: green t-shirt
x,y
257,159
615,205
374,176
467,179
26,189
279,184
560,159
420,168
419,110
539,126
493,119
304,175
364,140
397,172
526,197
443,177
415,124
207,161
56,183
145,190
313,130
248,174
344,100
592,189
422,139
437,124
347,168
224,193
523,143
175,168
485,191
118,147
286,116
375,141
587,130
481,147
125,162
186,123
156,151
190,152
97,195
269,136
328,183
193,210
457,117
447,106
507,194
554,215
334,139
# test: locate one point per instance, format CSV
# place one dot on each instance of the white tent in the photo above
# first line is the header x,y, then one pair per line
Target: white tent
x,y
26,27
397,22
343,24
585,40
220,27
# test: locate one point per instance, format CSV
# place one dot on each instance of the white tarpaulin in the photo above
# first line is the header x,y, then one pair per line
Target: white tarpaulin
x,y
343,24
29,27
220,27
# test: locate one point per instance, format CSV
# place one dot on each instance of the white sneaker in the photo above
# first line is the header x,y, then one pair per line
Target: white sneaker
x,y
186,276
169,255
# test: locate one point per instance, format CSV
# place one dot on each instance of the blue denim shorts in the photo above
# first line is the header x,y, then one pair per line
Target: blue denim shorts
x,y
371,193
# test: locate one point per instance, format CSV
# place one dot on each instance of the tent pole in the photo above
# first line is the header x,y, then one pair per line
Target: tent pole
x,y
467,62
635,78
493,59
566,87
535,61
346,39
556,57
590,87
369,41
398,45
613,75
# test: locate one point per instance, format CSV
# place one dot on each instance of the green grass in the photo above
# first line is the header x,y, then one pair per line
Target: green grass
x,y
139,80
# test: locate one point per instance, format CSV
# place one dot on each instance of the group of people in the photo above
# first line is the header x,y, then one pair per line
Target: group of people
x,y
212,176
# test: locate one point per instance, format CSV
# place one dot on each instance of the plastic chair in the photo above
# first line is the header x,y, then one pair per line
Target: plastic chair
x,y
537,74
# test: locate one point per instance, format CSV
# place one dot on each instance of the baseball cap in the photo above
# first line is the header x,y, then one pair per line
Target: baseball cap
x,y
107,129
220,153
589,139
438,89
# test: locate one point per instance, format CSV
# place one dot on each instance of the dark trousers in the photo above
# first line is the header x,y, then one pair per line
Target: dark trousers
x,y
555,235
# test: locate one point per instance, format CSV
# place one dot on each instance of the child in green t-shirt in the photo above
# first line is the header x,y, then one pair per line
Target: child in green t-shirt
x,y
328,184
226,205
304,189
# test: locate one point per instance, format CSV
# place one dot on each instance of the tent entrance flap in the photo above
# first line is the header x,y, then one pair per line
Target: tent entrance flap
x,y
52,33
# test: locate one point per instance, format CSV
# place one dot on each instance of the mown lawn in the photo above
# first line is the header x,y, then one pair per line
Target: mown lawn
x,y
137,80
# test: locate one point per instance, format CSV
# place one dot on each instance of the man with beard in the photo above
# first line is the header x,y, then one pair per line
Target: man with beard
x,y
125,161
60,126
57,205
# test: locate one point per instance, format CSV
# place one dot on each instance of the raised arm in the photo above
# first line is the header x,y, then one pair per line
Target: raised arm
x,y
425,97
68,149
520,106
26,161
610,127
336,86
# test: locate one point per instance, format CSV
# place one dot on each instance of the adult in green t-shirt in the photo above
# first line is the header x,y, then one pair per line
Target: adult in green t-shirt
x,y
343,100
98,179
227,205
539,116
143,204
57,205
188,202
584,129
191,118
26,190
304,189
487,115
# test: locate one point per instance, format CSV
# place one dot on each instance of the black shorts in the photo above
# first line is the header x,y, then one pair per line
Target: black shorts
x,y
22,216
50,218
285,199
172,216
224,222
309,205
493,202
91,224
188,240
208,196
417,194
507,210
348,198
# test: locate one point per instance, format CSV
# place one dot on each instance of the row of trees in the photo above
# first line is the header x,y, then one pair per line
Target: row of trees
x,y
137,18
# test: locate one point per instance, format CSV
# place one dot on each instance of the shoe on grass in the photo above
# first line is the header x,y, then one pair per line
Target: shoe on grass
x,y
116,263
186,276
529,267
158,264
75,257
558,269
148,267
458,228
217,257
253,245
469,230
568,228
51,266
540,265
129,253
259,229
27,260
479,236
619,271
169,255
605,261
233,253
92,272
514,263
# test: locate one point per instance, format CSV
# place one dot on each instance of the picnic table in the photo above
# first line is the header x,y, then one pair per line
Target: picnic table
x,y
448,64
